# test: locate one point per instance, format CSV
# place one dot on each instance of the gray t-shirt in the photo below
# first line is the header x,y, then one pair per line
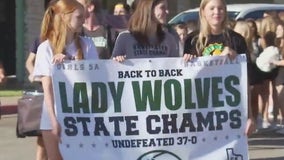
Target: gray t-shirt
x,y
127,45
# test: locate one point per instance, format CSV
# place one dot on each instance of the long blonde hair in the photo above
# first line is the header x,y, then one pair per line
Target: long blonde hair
x,y
268,24
205,29
243,28
55,29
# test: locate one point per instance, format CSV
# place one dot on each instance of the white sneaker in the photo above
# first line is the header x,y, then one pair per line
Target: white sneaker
x,y
266,124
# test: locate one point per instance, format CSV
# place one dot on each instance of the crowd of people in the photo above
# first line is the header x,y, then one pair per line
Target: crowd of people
x,y
264,39
83,34
265,50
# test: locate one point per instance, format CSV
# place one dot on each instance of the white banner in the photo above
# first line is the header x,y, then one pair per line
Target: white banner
x,y
161,108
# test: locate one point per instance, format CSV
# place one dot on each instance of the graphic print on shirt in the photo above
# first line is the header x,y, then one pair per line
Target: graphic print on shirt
x,y
100,41
213,49
151,50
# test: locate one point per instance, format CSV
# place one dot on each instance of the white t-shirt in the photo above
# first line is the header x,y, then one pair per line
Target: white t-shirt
x,y
43,67
44,55
267,56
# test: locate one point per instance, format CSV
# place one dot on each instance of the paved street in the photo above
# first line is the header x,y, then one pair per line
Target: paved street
x,y
264,146
11,147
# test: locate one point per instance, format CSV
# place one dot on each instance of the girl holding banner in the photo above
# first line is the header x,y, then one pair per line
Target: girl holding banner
x,y
62,22
214,38
145,37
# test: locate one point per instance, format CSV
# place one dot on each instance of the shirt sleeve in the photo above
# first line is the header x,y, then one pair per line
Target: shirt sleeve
x,y
43,61
174,44
89,49
34,46
119,46
190,44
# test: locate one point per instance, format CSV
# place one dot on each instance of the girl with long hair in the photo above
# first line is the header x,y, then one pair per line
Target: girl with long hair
x,y
60,40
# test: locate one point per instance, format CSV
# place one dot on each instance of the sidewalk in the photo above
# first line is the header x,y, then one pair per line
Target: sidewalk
x,y
8,105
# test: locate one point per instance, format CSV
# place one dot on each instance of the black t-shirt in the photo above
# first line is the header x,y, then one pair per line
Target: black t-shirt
x,y
34,45
216,43
99,37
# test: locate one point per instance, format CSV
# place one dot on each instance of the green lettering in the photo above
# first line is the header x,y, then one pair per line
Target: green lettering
x,y
189,104
202,94
116,95
173,97
99,97
146,94
235,99
63,97
80,98
216,91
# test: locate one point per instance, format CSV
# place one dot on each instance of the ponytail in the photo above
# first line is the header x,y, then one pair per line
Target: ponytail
x,y
55,29
46,24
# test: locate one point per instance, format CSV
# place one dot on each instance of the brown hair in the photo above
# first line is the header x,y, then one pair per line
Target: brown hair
x,y
55,29
141,22
269,38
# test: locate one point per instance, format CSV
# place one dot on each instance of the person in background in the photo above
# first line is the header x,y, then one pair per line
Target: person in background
x,y
2,78
61,25
181,30
40,151
267,87
191,26
270,13
94,29
2,72
248,30
269,54
121,9
117,22
256,48
31,59
213,31
279,80
145,30
244,30
231,24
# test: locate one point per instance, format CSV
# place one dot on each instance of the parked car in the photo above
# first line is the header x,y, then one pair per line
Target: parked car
x,y
235,12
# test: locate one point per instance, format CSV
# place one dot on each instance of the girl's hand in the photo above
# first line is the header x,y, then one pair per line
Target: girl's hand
x,y
276,63
58,58
119,58
188,57
232,54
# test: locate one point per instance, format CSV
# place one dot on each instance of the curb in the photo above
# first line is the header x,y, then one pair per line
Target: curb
x,y
8,109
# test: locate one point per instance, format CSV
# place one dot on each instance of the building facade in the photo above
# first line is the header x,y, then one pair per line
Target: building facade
x,y
21,19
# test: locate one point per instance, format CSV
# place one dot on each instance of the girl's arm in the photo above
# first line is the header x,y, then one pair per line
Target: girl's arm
x,y
49,101
278,63
30,65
